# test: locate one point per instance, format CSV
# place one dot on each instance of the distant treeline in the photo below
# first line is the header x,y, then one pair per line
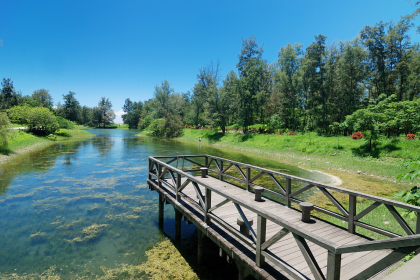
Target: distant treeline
x,y
311,89
39,113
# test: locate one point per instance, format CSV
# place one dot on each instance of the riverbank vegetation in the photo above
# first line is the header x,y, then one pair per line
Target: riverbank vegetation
x,y
367,85
312,151
21,142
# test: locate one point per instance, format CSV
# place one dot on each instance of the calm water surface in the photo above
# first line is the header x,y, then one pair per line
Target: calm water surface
x,y
80,206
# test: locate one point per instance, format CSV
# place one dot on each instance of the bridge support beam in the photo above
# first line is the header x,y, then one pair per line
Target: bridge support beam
x,y
178,219
200,253
242,272
161,210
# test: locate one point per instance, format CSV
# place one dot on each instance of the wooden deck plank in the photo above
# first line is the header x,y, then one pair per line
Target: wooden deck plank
x,y
286,248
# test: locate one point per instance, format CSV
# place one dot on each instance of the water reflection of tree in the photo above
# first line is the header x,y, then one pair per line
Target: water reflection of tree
x,y
103,144
36,162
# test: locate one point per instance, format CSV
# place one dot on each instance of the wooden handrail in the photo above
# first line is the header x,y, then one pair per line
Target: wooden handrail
x,y
274,218
397,243
392,243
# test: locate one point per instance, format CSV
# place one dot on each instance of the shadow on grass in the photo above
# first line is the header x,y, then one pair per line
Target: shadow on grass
x,y
245,137
215,137
64,134
365,151
5,151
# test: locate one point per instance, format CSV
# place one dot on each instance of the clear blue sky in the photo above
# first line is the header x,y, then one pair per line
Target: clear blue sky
x,y
122,49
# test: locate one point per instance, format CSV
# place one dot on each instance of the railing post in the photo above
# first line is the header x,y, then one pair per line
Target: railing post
x,y
352,213
148,173
206,161
261,233
418,223
159,174
288,192
207,206
333,266
178,186
221,170
248,178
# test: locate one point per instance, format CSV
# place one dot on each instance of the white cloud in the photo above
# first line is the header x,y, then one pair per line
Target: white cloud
x,y
118,116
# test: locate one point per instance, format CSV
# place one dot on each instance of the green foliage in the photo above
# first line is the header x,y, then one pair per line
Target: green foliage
x,y
43,98
8,95
63,123
39,120
173,126
157,127
143,123
275,122
71,109
133,111
105,114
412,196
170,126
414,165
5,132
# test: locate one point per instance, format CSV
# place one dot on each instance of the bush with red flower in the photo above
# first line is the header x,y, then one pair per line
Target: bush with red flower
x,y
357,135
410,137
292,132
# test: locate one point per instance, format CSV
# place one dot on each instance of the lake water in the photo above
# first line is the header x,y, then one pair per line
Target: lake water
x,y
82,205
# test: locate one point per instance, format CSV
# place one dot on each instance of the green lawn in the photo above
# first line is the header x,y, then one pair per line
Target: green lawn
x,y
316,152
22,140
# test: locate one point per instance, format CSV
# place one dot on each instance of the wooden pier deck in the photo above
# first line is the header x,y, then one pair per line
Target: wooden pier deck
x,y
280,246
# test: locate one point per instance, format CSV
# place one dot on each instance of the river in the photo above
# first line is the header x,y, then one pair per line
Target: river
x,y
82,205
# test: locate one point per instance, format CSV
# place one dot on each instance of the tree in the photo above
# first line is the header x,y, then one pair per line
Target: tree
x,y
219,103
253,86
351,72
8,96
375,40
287,81
5,132
161,97
207,83
43,98
39,120
71,107
313,65
106,112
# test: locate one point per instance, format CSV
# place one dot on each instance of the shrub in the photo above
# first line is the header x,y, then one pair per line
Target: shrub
x,y
173,126
236,127
357,135
197,127
410,137
143,123
157,127
292,132
64,123
275,122
40,120
5,132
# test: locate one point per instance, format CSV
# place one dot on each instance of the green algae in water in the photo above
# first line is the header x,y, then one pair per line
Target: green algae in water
x,y
82,210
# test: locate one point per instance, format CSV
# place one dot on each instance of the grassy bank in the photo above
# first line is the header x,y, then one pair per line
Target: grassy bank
x,y
23,142
338,156
316,152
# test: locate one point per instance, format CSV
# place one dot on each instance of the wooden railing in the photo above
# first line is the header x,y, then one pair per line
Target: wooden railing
x,y
160,168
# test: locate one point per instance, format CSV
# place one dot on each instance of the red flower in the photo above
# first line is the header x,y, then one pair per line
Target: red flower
x,y
410,137
357,135
292,133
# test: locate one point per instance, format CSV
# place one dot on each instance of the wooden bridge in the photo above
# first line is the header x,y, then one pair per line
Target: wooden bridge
x,y
280,245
